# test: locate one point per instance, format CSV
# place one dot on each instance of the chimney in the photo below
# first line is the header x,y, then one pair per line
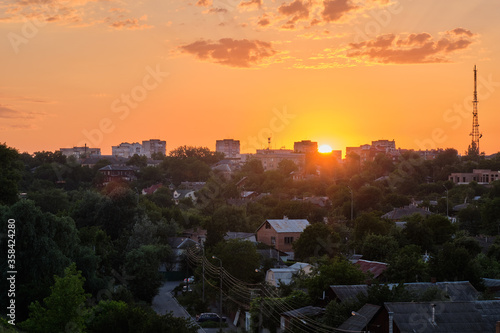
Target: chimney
x,y
433,279
285,218
391,318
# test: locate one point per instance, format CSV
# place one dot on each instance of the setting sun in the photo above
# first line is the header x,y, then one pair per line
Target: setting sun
x,y
325,149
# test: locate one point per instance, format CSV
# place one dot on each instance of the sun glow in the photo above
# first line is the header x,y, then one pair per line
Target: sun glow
x,y
325,149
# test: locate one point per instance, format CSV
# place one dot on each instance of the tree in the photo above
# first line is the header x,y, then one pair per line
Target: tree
x,y
64,310
45,245
286,167
407,265
142,266
316,240
120,317
333,271
138,160
369,223
239,258
11,174
379,247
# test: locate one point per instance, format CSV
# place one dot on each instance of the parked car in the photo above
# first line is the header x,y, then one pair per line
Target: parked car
x,y
209,316
189,279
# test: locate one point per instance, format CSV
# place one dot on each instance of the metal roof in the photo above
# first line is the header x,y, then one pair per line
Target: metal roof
x,y
478,316
307,311
456,291
358,323
288,225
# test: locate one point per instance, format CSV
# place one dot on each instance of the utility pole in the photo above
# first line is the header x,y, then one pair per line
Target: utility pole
x,y
220,301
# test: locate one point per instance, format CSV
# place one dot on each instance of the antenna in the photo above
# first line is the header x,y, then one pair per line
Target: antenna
x,y
474,146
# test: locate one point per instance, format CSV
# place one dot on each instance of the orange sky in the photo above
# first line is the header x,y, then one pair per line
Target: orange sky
x,y
340,72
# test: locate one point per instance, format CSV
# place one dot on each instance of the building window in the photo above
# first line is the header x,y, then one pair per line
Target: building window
x,y
268,226
288,240
273,240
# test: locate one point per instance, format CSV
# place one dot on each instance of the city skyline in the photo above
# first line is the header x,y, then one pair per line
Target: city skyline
x,y
338,72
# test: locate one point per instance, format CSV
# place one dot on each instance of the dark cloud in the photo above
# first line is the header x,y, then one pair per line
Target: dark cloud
x,y
296,10
461,31
413,48
231,52
334,10
263,22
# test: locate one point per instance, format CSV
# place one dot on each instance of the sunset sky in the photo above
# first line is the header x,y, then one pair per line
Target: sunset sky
x,y
339,72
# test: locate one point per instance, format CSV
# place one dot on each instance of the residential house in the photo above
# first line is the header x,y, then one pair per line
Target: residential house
x,y
152,189
283,276
178,195
360,319
117,173
300,317
398,214
442,317
374,268
281,233
455,291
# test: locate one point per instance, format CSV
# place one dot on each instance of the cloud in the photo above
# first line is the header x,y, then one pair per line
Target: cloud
x,y
461,31
334,10
412,48
217,10
251,3
7,112
242,53
263,21
130,24
296,10
204,3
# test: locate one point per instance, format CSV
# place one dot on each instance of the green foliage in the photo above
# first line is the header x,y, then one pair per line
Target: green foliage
x,y
120,317
138,160
379,247
64,309
316,240
141,265
11,174
239,258
370,223
265,311
45,245
407,265
331,272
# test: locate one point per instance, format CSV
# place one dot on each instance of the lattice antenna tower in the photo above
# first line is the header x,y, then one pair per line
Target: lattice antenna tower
x,y
475,122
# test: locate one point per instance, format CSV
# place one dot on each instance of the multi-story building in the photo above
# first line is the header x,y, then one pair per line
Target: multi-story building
x,y
271,158
229,147
126,149
305,146
147,148
480,176
81,152
153,146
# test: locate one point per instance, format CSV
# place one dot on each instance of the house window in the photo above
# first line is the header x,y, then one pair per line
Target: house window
x,y
268,225
288,240
273,240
